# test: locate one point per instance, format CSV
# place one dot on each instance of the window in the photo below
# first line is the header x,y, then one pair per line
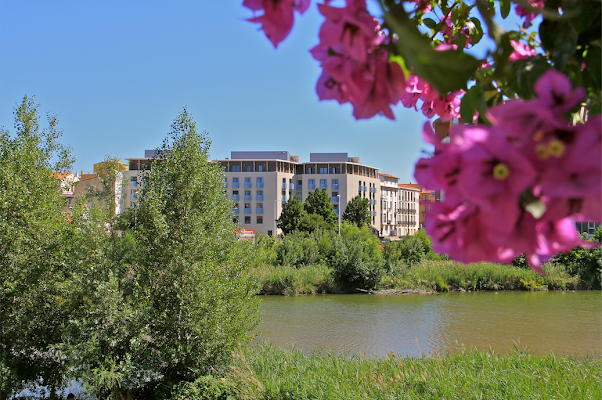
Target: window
x,y
310,170
249,168
335,194
323,170
335,184
322,183
259,209
260,183
269,233
247,183
260,220
134,181
311,184
235,168
259,195
260,168
247,208
235,220
247,195
247,220
235,183
426,208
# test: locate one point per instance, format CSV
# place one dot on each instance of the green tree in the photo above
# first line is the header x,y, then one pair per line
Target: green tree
x,y
33,259
318,202
291,216
358,211
196,292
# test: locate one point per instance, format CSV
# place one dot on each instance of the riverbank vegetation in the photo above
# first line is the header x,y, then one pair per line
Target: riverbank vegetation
x,y
265,372
322,262
126,306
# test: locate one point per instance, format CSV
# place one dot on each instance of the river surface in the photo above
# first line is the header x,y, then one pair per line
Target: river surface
x,y
558,322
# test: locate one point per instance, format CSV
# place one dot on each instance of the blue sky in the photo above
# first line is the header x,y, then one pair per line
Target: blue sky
x,y
118,72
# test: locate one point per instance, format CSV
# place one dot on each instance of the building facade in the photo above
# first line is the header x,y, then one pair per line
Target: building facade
x,y
261,182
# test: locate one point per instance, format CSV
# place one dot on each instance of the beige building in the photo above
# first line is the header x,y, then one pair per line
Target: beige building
x,y
260,182
409,209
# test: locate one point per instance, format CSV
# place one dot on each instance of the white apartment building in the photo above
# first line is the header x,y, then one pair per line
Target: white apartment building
x,y
400,211
408,202
260,182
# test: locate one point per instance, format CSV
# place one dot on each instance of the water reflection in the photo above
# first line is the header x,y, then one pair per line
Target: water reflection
x,y
564,323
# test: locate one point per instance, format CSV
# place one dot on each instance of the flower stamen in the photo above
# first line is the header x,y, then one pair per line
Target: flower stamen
x,y
542,151
501,171
556,148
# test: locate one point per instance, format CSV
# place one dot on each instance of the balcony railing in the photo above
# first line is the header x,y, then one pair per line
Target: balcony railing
x,y
248,185
373,213
361,188
235,210
373,190
248,197
284,186
323,186
235,197
365,188
291,186
373,202
259,197
284,198
260,185
259,211
335,199
248,210
235,185
336,210
335,186
311,186
299,188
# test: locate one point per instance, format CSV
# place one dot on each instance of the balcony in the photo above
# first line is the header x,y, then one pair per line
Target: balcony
x,y
372,190
373,202
299,188
248,210
235,185
311,186
365,188
335,199
336,210
259,211
260,185
291,186
373,213
323,186
284,186
335,186
248,185
247,197
235,210
360,189
259,197
284,198
235,197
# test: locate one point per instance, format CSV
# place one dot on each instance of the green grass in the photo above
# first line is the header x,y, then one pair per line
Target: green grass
x,y
440,276
448,275
265,372
290,281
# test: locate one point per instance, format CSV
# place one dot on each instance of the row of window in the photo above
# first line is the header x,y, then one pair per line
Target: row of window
x,y
311,183
259,220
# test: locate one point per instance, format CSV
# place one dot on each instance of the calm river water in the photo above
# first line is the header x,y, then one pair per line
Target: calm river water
x,y
559,322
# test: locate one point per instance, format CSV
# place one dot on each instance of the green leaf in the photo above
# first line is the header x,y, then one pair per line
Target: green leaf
x,y
472,101
399,60
444,70
505,8
560,39
527,73
430,23
592,65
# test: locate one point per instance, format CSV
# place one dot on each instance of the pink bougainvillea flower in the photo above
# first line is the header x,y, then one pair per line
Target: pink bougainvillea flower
x,y
414,89
423,6
528,14
555,91
576,170
521,51
448,106
388,86
278,18
352,26
459,231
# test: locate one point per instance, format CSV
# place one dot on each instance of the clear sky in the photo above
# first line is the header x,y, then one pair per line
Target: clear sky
x,y
118,72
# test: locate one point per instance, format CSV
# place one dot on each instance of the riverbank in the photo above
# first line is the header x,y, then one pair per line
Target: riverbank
x,y
266,372
427,277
